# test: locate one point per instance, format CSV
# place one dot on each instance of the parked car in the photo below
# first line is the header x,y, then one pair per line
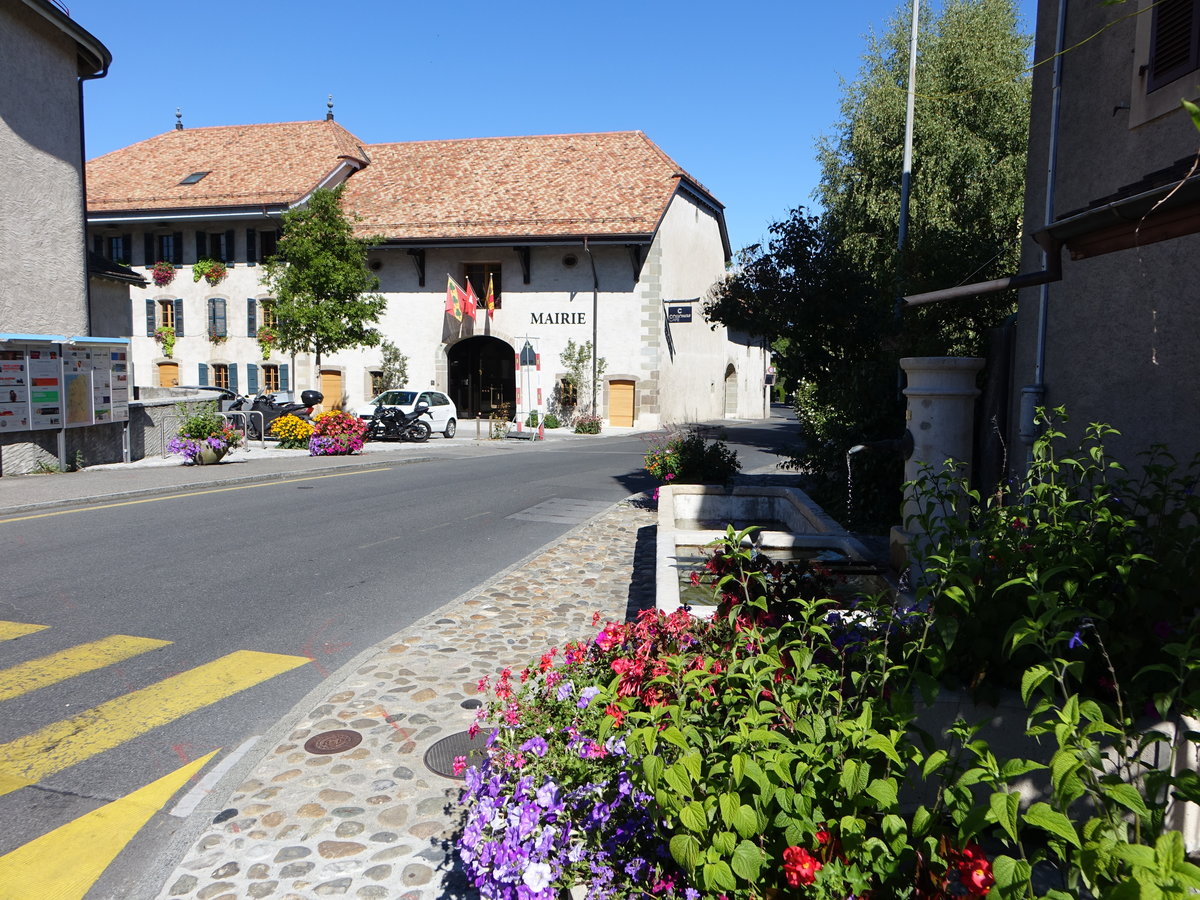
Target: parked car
x,y
441,408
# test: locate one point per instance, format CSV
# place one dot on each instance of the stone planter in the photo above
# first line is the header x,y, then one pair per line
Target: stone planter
x,y
210,457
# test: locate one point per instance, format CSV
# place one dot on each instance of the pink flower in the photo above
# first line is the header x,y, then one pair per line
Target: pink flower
x,y
460,764
800,866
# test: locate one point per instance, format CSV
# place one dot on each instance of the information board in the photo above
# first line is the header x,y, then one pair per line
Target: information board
x,y
14,391
45,388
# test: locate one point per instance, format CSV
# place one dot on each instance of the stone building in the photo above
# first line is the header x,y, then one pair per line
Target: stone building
x,y
584,238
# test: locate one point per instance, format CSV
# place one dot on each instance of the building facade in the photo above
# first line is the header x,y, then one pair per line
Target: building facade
x,y
593,238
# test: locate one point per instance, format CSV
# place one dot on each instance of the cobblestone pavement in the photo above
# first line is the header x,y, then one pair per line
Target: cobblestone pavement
x,y
373,822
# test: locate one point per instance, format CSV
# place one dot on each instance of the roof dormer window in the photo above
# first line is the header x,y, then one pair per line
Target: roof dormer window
x,y
193,178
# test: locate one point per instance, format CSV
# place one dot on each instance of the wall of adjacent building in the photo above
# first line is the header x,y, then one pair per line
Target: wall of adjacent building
x,y
41,227
1122,328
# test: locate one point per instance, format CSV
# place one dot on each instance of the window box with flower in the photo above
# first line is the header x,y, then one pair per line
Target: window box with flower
x,y
211,270
165,335
267,338
215,337
162,273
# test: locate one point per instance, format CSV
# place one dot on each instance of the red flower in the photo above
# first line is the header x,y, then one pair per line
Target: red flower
x,y
800,866
618,714
971,869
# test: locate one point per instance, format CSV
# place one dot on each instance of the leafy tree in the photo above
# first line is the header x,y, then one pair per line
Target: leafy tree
x,y
394,370
578,360
824,288
324,293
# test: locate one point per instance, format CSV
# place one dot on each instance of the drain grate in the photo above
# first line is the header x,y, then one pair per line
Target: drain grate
x,y
333,741
439,758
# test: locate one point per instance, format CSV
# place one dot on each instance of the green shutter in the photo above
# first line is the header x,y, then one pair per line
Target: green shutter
x,y
229,256
283,378
251,317
203,375
178,301
251,379
233,382
150,326
251,246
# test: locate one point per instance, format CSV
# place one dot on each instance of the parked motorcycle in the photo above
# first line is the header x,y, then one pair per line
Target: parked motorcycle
x,y
272,409
393,423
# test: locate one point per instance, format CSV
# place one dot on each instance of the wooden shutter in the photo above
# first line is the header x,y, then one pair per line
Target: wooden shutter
x,y
251,317
150,325
229,256
233,377
148,249
97,245
178,302
177,248
201,245
1174,41
283,378
216,317
126,249
203,375
251,379
251,246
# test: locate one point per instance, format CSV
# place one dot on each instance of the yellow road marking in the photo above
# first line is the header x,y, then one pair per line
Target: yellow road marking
x,y
236,487
10,630
61,745
65,863
78,660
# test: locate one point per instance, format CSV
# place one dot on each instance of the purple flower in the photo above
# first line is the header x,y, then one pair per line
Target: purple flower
x,y
1076,641
535,745
565,690
586,696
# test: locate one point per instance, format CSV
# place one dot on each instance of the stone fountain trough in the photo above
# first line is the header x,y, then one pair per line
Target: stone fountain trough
x,y
691,516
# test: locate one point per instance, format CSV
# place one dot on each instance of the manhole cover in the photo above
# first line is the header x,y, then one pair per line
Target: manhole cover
x,y
439,758
333,741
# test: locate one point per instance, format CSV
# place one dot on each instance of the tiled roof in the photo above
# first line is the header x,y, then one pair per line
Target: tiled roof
x,y
247,165
547,186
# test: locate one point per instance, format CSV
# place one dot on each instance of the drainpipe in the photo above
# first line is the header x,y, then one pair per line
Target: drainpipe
x,y
595,301
1034,395
87,281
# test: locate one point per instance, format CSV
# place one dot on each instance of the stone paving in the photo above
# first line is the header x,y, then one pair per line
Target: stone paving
x,y
373,822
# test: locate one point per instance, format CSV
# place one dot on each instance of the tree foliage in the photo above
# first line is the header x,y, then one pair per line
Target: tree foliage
x,y
824,288
394,368
324,294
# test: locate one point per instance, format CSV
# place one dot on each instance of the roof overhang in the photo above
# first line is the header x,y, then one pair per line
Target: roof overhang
x,y
165,217
565,240
94,57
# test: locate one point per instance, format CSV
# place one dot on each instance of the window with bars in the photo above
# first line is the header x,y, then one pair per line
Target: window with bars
x,y
1174,42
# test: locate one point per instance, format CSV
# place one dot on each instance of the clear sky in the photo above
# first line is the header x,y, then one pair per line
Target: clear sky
x,y
736,93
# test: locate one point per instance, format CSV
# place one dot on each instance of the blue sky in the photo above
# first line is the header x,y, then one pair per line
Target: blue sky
x,y
736,93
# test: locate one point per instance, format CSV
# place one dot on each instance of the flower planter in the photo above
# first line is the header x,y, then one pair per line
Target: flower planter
x,y
210,457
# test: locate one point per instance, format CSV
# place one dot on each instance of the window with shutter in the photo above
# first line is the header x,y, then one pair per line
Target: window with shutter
x,y
220,375
166,314
271,380
1174,42
216,318
178,303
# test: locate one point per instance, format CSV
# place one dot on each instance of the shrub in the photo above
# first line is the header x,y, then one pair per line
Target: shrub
x,y
551,421
336,433
292,432
531,421
587,424
688,458
202,429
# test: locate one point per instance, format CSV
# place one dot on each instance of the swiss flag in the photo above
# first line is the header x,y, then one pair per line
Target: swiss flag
x,y
470,301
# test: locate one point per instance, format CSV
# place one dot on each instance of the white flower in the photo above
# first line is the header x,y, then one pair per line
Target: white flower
x,y
537,877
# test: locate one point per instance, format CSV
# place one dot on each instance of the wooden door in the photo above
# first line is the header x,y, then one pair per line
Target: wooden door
x,y
620,403
168,374
331,387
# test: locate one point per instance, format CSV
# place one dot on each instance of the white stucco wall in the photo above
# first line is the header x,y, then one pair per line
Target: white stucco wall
x,y
41,226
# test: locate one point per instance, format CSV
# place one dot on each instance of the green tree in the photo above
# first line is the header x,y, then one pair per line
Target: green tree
x,y
578,360
823,290
324,293
394,369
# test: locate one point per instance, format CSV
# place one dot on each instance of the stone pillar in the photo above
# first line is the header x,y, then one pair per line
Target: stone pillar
x,y
941,396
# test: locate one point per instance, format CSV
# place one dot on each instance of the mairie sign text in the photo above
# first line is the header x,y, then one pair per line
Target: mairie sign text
x,y
557,318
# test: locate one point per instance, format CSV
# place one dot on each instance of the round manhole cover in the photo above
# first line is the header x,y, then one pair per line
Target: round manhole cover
x,y
333,741
439,758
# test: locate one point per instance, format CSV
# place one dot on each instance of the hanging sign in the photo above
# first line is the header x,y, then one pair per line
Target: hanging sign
x,y
679,314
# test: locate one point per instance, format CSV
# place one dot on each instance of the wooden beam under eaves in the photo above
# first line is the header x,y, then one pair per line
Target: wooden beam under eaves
x,y
1155,227
523,256
418,257
636,259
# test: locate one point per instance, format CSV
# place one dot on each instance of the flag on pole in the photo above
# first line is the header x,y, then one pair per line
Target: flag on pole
x,y
470,302
453,292
491,299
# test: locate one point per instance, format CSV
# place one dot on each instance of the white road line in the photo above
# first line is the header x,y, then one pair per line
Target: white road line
x,y
188,802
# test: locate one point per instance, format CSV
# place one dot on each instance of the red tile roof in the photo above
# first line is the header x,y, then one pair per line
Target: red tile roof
x,y
546,186
247,165
616,183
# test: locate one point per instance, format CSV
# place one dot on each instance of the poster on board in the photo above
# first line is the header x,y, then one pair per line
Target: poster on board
x,y
45,388
119,384
77,385
14,391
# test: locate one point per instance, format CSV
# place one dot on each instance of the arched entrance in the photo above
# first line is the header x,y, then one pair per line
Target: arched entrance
x,y
481,376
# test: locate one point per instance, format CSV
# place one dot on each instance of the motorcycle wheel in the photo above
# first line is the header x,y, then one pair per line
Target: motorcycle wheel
x,y
418,432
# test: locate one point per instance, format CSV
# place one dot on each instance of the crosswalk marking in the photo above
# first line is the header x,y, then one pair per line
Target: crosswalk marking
x,y
61,745
10,630
78,660
65,863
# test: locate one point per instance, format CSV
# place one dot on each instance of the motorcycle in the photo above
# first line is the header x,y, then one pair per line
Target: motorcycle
x,y
271,409
393,423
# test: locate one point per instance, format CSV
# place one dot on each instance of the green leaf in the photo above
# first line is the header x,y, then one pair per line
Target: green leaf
x,y
1033,677
652,768
1012,876
1135,855
692,817
724,842
1004,806
746,821
685,850
739,768
882,744
676,778
883,790
720,876
1043,816
933,762
691,762
1128,796
1192,110
728,804
747,860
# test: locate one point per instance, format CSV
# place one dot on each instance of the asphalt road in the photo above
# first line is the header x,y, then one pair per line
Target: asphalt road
x,y
266,590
